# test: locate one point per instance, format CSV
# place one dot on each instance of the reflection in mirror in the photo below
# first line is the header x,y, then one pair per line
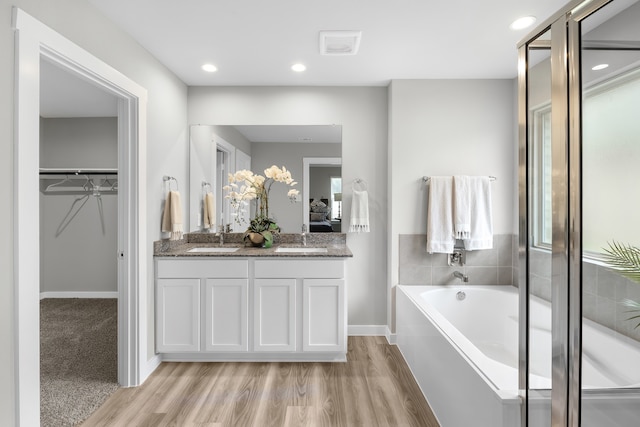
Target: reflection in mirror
x,y
216,151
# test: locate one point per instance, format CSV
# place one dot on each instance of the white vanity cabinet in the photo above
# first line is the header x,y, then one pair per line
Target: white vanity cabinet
x,y
201,296
300,305
258,309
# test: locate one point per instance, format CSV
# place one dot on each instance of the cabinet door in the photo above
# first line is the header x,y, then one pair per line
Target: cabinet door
x,y
178,315
274,315
226,315
323,315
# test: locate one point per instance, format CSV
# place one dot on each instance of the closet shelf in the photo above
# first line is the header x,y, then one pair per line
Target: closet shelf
x,y
92,181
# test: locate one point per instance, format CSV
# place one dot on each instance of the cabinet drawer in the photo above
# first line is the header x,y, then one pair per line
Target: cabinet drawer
x,y
221,268
311,269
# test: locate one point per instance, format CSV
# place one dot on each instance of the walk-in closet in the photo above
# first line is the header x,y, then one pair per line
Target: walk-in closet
x,y
78,220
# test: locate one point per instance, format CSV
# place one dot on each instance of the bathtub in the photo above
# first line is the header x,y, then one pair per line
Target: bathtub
x,y
461,343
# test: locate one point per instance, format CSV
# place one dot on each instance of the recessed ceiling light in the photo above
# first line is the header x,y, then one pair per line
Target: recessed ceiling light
x,y
210,68
522,23
600,67
298,68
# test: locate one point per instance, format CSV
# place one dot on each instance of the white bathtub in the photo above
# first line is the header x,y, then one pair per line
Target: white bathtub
x,y
464,355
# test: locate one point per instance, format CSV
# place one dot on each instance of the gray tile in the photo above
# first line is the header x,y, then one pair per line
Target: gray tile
x,y
482,275
415,275
607,283
444,275
440,260
540,263
503,243
606,312
589,302
412,250
505,276
483,258
633,290
540,287
589,278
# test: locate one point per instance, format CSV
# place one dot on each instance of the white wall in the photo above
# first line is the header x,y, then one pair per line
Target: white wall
x,y
362,112
166,147
76,253
447,127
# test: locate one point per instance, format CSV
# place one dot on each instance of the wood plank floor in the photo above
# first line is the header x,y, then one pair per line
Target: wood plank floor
x,y
374,388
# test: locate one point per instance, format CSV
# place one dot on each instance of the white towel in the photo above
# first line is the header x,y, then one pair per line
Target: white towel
x,y
481,216
359,222
172,216
440,238
208,206
462,207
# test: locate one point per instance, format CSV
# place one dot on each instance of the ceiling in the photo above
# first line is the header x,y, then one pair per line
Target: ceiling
x,y
255,42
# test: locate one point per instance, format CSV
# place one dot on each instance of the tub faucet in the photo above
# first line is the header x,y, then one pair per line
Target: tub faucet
x,y
461,276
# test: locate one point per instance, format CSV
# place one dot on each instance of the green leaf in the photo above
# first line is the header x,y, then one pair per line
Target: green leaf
x,y
268,239
625,259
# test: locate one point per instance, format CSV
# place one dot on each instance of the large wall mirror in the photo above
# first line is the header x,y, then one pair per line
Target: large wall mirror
x,y
311,152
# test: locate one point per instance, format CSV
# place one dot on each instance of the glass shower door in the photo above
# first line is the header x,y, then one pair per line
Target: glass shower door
x,y
579,117
610,142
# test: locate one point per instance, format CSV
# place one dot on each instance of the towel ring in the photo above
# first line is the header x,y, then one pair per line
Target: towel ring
x,y
359,185
170,178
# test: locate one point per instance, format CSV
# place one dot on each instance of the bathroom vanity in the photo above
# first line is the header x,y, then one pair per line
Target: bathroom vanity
x,y
285,303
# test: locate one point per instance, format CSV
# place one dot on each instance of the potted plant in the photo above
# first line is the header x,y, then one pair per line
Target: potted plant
x,y
245,186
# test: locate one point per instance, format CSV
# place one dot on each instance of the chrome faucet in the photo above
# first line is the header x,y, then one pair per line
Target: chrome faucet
x,y
461,276
303,235
221,233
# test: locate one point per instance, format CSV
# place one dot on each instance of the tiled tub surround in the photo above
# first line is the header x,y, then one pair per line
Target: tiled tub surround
x,y
483,267
603,293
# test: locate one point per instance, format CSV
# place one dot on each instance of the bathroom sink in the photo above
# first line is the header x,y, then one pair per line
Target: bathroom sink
x,y
213,249
302,250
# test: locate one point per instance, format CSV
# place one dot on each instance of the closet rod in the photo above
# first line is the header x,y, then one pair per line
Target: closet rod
x,y
86,171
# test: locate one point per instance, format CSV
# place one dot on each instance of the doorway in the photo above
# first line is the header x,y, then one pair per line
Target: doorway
x,y
78,242
34,42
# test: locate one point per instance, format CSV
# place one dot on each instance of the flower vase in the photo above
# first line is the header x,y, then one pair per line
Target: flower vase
x,y
256,239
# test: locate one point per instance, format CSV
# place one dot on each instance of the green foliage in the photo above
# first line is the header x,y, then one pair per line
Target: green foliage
x,y
625,259
264,226
635,308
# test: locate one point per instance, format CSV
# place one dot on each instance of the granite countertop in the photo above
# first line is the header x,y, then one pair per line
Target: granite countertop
x,y
335,243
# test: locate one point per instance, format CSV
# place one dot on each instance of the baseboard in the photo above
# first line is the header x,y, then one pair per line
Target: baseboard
x,y
148,368
391,337
44,295
366,330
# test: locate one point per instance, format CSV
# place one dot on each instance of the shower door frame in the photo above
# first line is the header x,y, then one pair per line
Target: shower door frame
x,y
566,251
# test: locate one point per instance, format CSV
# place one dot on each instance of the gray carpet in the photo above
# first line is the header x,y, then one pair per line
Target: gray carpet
x,y
78,358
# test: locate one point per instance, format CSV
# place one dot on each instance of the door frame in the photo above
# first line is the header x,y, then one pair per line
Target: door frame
x,y
307,163
33,41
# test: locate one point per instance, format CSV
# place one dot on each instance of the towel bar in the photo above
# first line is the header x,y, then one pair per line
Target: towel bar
x,y
427,178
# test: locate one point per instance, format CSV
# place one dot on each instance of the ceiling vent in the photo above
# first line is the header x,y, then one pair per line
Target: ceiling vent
x,y
339,42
